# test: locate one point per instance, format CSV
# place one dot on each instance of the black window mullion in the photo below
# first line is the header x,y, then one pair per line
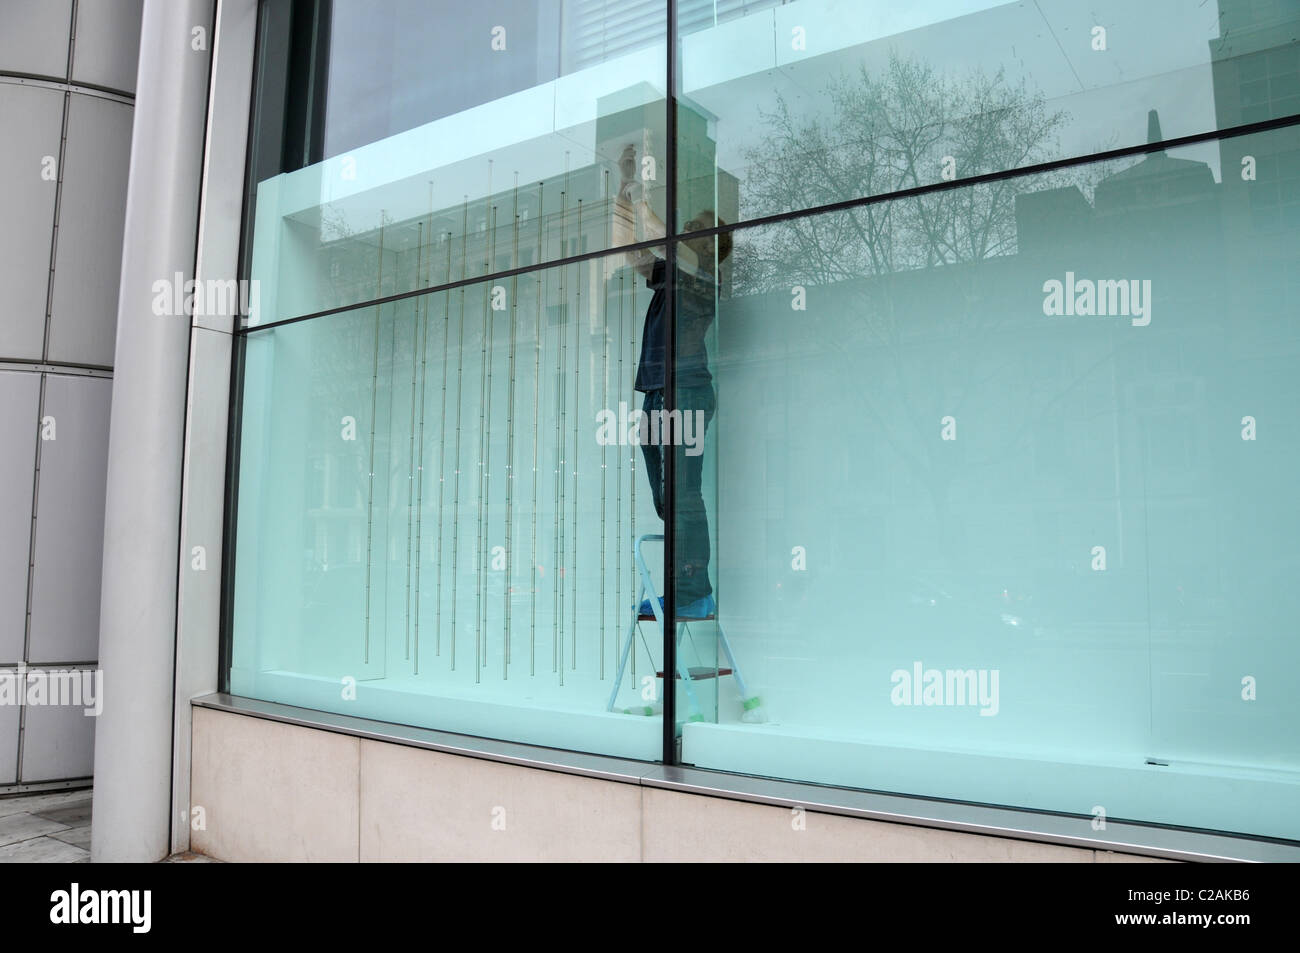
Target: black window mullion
x,y
670,753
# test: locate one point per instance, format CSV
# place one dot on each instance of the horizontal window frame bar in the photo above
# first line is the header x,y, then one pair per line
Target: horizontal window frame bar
x,y
1232,132
33,81
9,668
1149,840
17,789
38,366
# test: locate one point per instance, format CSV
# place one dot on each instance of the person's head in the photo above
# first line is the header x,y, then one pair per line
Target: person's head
x,y
703,246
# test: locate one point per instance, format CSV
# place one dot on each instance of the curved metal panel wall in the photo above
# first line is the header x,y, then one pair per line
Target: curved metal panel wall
x,y
67,80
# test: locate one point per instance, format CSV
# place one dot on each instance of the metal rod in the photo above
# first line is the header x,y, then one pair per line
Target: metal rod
x,y
480,477
424,381
410,450
460,378
485,420
556,634
577,413
618,472
510,435
604,396
537,380
442,449
374,402
630,343
485,505
562,396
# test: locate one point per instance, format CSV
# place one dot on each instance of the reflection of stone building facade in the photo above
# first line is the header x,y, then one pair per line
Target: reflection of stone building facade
x,y
560,217
1257,77
1157,220
1111,431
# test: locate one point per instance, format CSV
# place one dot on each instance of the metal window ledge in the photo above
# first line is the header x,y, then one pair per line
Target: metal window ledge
x,y
1067,830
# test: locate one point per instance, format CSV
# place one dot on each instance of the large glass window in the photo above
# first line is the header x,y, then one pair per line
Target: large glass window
x,y
405,112
962,396
994,510
866,98
433,499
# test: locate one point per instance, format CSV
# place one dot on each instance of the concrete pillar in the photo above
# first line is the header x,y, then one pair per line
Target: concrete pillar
x,y
137,629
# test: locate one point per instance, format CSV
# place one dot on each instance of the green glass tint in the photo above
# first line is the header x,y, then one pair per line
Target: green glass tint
x,y
1003,504
981,478
436,512
458,118
821,101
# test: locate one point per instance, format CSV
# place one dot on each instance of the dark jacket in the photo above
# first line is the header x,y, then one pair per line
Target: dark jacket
x,y
695,312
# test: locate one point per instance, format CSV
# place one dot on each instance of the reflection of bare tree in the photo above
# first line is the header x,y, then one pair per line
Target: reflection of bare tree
x,y
905,128
905,335
348,266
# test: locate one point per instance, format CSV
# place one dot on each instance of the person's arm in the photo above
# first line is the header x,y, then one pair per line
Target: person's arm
x,y
647,226
650,227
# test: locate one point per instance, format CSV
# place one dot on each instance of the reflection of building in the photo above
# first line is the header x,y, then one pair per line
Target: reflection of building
x,y
1102,415
1255,73
561,216
1257,77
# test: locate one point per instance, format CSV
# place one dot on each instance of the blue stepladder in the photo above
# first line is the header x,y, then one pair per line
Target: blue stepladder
x,y
751,705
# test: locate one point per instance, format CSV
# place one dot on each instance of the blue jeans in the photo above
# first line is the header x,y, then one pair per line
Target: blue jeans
x,y
691,547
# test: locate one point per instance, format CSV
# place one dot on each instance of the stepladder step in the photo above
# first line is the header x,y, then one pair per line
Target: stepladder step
x,y
701,672
649,617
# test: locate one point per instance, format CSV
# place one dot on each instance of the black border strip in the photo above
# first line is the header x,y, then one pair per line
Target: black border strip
x,y
668,449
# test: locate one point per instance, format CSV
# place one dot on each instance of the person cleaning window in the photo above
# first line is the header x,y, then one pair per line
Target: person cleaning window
x,y
696,282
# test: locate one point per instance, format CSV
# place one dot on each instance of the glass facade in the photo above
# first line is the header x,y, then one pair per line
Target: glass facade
x,y
525,109
951,346
428,525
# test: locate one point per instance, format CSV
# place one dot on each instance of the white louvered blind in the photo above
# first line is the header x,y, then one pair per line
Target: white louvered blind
x,y
597,30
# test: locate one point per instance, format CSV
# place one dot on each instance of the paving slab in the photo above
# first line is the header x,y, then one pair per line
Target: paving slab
x,y
43,850
31,803
77,837
74,814
21,827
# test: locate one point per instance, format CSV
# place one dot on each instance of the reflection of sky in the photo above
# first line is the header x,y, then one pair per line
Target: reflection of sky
x,y
396,64
1157,57
403,64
